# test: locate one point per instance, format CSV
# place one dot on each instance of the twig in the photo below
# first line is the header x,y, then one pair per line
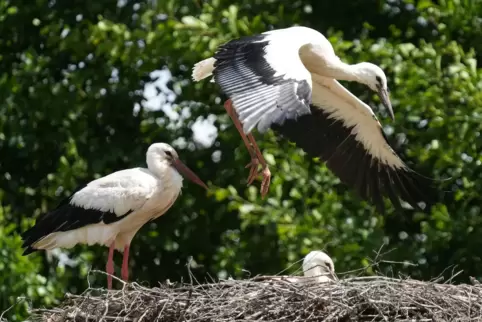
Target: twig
x,y
275,298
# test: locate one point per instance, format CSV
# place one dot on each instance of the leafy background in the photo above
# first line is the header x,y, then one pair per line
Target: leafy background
x,y
86,86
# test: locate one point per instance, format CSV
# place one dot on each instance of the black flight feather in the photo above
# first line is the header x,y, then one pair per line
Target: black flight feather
x,y
65,217
333,142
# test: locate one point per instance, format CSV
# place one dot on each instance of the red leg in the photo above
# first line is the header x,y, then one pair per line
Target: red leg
x,y
253,165
125,264
256,156
109,268
265,172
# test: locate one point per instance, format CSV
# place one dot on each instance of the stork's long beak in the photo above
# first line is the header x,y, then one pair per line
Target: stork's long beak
x,y
385,98
185,171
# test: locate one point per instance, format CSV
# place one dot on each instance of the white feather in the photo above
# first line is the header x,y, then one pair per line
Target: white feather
x,y
118,192
282,53
203,69
148,193
319,265
335,99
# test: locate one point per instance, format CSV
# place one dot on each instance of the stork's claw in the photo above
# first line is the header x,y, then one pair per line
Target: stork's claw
x,y
256,155
253,173
266,181
254,169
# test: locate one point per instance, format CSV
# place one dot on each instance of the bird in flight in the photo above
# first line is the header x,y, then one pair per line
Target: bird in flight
x,y
287,80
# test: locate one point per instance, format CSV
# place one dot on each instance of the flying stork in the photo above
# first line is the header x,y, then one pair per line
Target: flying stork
x,y
110,210
286,80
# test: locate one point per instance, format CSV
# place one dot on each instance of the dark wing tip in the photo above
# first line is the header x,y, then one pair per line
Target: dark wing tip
x,y
333,142
28,250
419,191
29,237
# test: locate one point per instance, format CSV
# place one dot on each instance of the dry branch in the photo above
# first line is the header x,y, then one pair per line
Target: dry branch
x,y
275,299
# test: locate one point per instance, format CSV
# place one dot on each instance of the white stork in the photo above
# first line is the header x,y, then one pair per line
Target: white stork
x,y
286,80
318,264
110,210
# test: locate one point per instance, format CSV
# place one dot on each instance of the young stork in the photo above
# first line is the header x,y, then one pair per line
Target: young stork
x,y
318,264
286,80
110,210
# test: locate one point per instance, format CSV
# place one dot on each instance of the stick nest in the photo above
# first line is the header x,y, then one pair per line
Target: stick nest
x,y
275,299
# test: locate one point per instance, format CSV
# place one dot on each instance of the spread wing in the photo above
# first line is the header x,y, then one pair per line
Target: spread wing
x,y
345,133
265,79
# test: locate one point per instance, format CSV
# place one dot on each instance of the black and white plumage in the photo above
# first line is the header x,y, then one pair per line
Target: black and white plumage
x,y
110,210
355,148
325,119
253,72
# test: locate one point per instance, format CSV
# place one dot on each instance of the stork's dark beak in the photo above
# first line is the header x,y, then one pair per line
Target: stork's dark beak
x,y
185,171
385,98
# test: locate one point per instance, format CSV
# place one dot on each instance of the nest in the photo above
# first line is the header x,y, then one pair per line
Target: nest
x,y
265,298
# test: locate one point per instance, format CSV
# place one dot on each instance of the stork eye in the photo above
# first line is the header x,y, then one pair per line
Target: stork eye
x,y
379,79
169,154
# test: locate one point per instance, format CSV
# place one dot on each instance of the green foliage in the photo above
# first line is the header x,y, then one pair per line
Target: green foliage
x,y
71,73
20,281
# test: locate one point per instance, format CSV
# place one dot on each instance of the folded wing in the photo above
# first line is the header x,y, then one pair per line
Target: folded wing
x,y
105,200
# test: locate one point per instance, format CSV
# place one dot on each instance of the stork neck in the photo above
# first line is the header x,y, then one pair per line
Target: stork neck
x,y
156,166
166,173
342,71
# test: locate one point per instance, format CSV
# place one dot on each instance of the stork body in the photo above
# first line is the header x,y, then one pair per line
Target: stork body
x,y
110,210
286,80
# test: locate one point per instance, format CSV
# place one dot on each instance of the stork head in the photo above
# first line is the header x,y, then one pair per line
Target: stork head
x,y
318,263
319,58
162,153
374,77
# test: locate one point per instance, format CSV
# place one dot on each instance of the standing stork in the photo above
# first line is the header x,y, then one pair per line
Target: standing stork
x,y
286,80
110,210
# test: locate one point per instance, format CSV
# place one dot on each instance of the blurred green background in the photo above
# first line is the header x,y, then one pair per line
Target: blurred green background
x,y
87,85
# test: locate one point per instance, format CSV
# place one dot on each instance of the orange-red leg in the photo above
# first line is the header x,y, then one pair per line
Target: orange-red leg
x,y
256,155
109,268
125,264
266,173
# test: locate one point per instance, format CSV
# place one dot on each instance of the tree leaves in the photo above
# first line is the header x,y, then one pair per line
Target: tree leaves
x,y
72,73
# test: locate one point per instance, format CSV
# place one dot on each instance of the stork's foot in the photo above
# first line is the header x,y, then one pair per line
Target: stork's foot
x,y
265,173
253,171
266,181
